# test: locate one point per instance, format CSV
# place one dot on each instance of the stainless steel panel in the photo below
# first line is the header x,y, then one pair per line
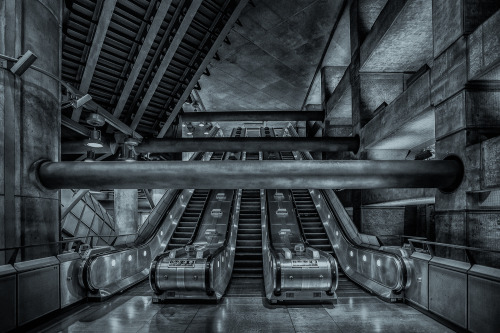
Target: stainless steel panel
x,y
37,293
306,274
181,274
418,292
71,291
7,298
483,305
448,294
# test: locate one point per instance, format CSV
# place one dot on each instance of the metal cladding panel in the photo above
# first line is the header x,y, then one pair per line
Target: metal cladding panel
x,y
8,301
483,306
448,294
37,293
418,291
71,291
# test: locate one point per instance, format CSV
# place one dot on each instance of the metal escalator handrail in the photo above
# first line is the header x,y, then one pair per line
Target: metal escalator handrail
x,y
209,289
399,260
86,268
274,253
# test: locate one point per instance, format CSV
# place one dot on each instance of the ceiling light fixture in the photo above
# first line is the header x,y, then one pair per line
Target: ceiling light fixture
x,y
201,124
94,141
131,142
95,120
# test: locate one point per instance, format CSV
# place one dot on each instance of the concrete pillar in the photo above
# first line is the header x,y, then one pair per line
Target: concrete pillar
x,y
29,125
467,113
126,215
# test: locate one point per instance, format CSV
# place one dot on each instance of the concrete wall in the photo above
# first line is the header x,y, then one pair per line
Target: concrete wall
x,y
424,75
30,125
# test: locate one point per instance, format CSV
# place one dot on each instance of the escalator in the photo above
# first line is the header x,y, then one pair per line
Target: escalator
x,y
248,260
315,235
310,221
384,271
192,215
189,220
295,270
99,274
199,261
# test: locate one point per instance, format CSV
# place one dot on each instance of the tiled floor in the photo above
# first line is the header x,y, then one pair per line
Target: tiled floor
x,y
243,310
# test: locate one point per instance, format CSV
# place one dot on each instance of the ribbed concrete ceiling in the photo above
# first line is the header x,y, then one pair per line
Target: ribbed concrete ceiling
x,y
272,57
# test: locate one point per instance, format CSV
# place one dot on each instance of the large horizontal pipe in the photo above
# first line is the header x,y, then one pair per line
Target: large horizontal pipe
x,y
249,144
251,174
253,116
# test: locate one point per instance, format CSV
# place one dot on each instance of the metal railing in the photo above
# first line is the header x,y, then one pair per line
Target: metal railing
x,y
429,248
64,245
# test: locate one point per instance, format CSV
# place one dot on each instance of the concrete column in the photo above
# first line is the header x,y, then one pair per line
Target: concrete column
x,y
126,216
29,125
467,98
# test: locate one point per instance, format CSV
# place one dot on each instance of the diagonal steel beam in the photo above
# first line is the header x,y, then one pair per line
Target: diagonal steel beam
x,y
160,14
73,125
103,157
110,119
172,49
95,50
150,198
220,39
74,200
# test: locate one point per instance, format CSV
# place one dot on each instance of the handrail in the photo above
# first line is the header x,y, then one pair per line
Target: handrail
x,y
64,241
274,253
461,247
211,257
467,249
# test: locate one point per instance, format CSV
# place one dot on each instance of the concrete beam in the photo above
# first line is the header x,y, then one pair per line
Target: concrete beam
x,y
453,19
251,174
220,39
490,160
400,39
484,51
339,105
110,119
475,108
167,58
95,50
405,123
